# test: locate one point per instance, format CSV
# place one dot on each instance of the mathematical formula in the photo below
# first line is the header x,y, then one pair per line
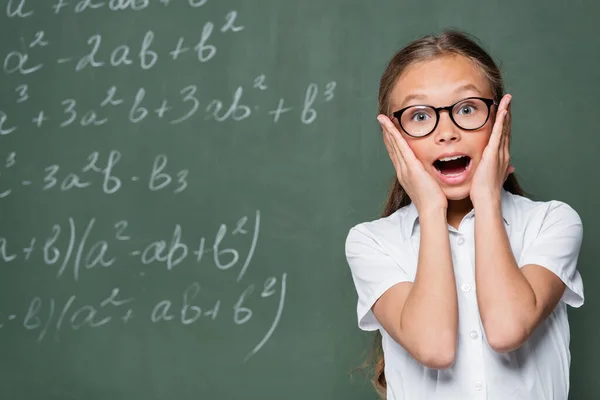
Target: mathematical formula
x,y
143,56
185,106
68,82
24,8
170,251
49,316
104,165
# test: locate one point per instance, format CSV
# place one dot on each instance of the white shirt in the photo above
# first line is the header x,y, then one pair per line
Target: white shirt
x,y
384,252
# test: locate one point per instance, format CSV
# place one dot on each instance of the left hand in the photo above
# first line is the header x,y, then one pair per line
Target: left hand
x,y
494,166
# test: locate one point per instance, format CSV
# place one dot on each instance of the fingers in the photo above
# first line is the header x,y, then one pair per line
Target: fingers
x,y
393,150
493,148
498,131
395,141
504,149
396,137
508,124
504,130
507,133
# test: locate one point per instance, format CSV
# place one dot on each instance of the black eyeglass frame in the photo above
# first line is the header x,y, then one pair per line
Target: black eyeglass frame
x,y
488,102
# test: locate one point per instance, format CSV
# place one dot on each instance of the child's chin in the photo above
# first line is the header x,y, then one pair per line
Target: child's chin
x,y
458,192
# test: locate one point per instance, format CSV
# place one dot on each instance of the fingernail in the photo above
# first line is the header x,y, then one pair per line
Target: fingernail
x,y
380,119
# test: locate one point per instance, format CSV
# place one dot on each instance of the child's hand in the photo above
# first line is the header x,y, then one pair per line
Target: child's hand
x,y
421,187
494,167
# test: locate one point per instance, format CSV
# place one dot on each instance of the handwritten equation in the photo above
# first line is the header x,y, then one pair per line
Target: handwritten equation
x,y
185,106
24,8
22,62
48,316
85,79
53,177
170,251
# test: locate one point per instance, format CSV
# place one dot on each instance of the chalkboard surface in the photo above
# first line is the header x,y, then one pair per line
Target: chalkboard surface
x,y
177,178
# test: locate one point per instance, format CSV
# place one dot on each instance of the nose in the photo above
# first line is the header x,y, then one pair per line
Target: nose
x,y
446,131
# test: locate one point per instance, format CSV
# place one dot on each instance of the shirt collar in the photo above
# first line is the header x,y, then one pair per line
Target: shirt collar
x,y
412,214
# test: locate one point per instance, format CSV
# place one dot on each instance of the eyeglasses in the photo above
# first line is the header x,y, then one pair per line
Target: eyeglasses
x,y
469,114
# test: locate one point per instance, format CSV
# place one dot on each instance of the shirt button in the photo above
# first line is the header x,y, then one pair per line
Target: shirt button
x,y
478,385
461,240
473,334
465,287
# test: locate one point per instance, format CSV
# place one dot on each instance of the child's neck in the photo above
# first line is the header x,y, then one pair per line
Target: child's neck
x,y
457,209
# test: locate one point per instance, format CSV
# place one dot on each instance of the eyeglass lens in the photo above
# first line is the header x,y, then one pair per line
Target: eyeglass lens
x,y
421,120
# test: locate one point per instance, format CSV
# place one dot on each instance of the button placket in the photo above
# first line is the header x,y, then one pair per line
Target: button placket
x,y
479,386
470,328
474,350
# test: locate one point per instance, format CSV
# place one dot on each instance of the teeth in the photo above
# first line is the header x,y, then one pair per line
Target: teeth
x,y
450,158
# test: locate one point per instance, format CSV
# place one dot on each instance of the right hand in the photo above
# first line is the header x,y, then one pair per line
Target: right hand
x,y
421,187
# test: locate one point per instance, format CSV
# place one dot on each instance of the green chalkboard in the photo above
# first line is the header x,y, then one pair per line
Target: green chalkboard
x,y
177,178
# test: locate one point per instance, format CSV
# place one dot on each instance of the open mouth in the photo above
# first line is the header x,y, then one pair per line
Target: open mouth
x,y
451,166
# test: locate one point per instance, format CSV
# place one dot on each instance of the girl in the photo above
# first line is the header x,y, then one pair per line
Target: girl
x,y
465,279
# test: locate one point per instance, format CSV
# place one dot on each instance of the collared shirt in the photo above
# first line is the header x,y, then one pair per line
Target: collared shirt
x,y
384,252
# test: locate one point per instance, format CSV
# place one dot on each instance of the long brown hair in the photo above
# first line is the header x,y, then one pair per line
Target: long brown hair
x,y
426,48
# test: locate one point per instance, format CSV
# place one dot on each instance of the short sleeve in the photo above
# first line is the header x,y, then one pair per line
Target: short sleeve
x,y
556,247
373,272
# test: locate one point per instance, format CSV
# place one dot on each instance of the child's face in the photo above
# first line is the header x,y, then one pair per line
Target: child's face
x,y
441,82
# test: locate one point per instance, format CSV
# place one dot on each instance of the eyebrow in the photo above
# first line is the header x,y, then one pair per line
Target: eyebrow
x,y
463,88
